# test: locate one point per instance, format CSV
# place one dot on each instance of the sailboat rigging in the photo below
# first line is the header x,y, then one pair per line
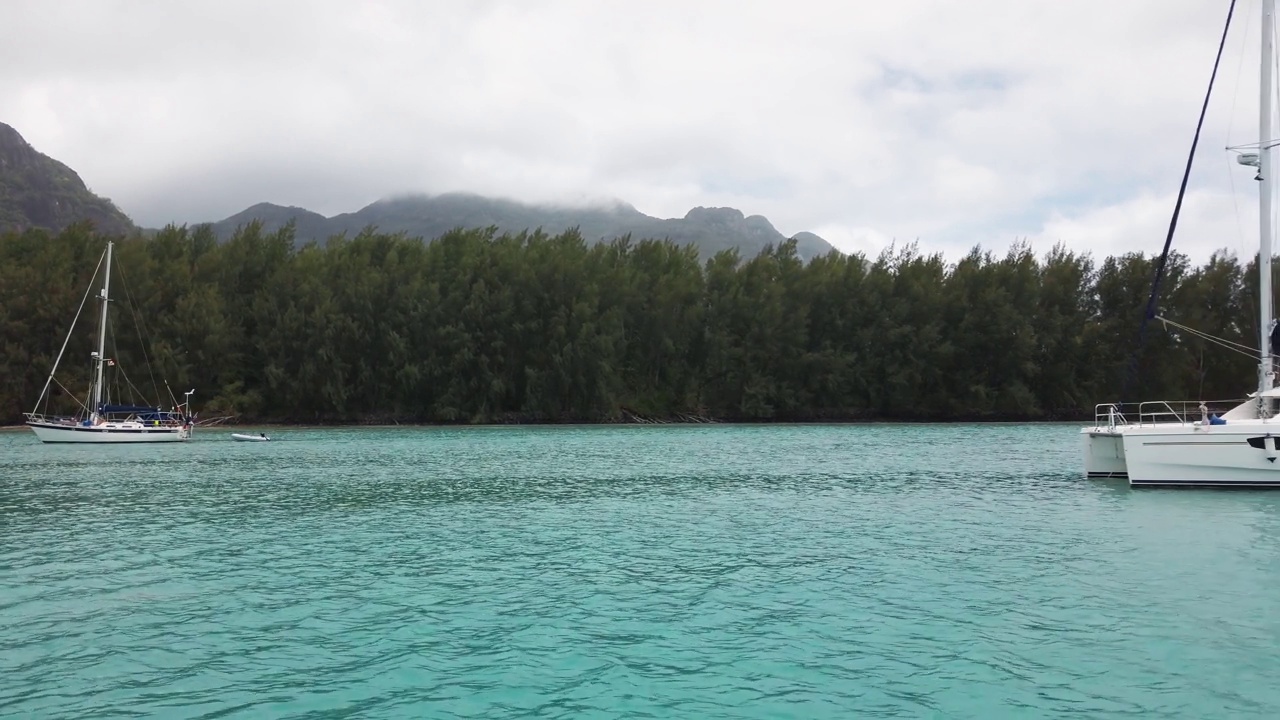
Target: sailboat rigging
x,y
101,421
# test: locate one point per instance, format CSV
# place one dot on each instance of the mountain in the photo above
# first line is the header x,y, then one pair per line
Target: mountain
x,y
38,191
273,217
429,216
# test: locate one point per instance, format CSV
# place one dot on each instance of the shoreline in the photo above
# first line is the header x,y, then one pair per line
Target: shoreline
x,y
276,425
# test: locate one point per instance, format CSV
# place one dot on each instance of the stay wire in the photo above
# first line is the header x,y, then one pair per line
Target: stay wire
x,y
137,326
1177,209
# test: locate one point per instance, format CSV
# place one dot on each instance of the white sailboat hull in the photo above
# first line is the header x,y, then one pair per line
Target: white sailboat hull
x,y
124,432
1239,454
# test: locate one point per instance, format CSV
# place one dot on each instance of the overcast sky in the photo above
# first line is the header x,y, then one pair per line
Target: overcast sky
x,y
955,123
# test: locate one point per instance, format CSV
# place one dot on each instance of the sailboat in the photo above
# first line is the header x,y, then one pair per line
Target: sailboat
x,y
1183,444
100,421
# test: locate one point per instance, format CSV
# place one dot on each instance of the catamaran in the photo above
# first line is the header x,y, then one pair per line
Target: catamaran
x,y
100,421
1183,444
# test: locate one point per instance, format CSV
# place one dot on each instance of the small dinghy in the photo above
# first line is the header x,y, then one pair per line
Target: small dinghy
x,y
242,437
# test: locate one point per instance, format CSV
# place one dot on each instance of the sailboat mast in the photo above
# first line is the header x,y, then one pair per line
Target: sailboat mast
x,y
102,333
1265,140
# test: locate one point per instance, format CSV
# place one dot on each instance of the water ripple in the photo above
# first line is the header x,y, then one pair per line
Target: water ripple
x,y
745,571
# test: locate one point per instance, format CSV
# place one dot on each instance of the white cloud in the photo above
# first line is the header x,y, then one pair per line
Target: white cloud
x,y
1209,221
947,122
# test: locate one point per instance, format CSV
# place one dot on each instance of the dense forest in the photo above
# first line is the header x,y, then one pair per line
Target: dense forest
x,y
477,327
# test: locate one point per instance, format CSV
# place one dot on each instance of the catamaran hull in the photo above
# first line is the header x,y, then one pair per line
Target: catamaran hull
x,y
51,433
1243,455
1104,454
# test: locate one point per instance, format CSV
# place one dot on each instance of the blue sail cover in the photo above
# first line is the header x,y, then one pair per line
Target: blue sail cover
x,y
144,413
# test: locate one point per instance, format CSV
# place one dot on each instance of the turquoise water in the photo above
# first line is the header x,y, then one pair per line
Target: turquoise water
x,y
708,572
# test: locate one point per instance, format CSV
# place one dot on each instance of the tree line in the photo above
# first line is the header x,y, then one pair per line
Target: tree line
x,y
477,327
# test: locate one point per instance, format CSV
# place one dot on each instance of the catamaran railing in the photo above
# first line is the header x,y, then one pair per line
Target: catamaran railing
x,y
1108,415
1162,411
1182,412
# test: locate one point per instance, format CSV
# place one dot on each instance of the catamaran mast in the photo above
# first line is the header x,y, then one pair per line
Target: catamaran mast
x,y
1265,141
102,334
